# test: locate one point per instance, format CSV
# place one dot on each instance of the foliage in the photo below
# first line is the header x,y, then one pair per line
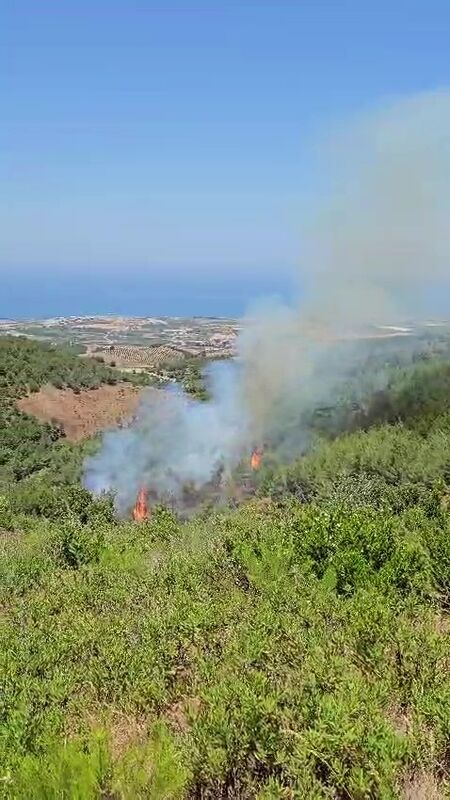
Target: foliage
x,y
25,363
189,373
26,445
278,646
297,647
389,466
391,392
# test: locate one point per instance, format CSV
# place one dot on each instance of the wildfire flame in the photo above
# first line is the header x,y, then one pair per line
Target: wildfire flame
x,y
141,510
256,459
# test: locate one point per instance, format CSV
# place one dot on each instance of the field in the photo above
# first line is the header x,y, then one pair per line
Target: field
x,y
140,356
297,646
196,336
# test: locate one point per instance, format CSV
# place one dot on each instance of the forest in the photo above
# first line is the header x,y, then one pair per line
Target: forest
x,y
296,646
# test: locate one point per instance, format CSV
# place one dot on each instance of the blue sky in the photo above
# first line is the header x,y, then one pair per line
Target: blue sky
x,y
148,144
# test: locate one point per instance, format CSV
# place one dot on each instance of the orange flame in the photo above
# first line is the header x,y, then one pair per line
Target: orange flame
x,y
141,510
256,459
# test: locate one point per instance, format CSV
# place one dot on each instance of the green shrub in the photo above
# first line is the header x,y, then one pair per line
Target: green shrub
x,y
75,546
294,647
6,516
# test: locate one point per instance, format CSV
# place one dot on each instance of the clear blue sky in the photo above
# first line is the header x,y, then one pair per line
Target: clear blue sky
x,y
146,144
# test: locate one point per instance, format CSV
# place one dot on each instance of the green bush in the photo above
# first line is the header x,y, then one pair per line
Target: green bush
x,y
74,546
296,647
6,516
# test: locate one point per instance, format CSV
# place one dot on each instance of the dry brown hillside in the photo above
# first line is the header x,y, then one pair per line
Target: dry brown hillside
x,y
82,414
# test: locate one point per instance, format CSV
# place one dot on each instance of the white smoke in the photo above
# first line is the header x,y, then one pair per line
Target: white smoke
x,y
174,441
371,245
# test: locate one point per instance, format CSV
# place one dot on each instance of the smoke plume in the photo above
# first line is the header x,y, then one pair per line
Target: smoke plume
x,y
375,237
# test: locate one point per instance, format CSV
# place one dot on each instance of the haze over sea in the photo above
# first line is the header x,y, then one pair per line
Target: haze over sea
x,y
146,296
133,295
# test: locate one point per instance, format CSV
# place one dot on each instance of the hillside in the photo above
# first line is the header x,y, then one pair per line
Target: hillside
x,y
295,647
82,413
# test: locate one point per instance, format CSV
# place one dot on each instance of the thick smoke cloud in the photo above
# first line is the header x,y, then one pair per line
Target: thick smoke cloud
x,y
375,237
173,442
384,226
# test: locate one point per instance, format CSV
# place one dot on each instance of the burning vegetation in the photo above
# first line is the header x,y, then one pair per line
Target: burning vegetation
x,y
141,510
224,488
256,459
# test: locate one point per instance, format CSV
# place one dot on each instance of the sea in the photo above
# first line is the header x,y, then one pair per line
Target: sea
x,y
37,296
43,294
